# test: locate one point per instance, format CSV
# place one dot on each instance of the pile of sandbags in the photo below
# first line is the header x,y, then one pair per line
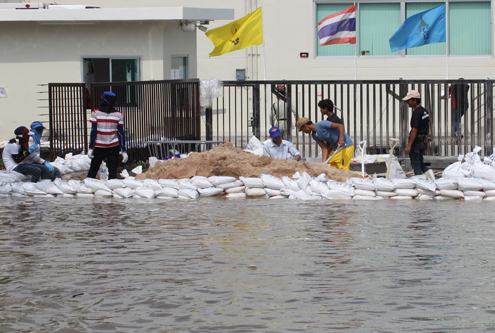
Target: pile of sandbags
x,y
301,187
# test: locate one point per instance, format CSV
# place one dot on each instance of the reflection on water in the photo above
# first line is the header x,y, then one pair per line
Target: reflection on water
x,y
245,265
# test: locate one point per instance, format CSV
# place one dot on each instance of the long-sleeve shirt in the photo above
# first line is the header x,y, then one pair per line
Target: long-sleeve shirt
x,y
107,130
285,151
13,149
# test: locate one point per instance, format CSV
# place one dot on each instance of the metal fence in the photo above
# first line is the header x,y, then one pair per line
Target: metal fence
x,y
153,110
371,110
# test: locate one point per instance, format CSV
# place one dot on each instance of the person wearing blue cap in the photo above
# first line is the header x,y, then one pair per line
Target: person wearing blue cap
x,y
107,137
279,148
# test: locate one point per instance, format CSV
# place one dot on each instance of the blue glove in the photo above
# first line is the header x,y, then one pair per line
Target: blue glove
x,y
49,166
32,148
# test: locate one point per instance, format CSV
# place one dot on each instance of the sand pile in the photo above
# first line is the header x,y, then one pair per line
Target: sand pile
x,y
226,160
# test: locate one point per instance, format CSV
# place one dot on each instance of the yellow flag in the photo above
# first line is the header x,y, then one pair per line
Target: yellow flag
x,y
238,35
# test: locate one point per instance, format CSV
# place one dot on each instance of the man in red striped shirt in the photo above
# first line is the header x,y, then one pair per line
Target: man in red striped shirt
x,y
107,137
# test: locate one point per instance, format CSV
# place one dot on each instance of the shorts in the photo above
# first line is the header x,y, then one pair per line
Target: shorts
x,y
342,160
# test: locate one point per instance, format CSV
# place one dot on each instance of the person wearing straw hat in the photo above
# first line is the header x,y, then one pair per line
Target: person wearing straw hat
x,y
420,128
324,132
278,148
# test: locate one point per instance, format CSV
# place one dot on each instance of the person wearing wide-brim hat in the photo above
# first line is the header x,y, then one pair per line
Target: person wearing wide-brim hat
x,y
420,128
324,132
279,148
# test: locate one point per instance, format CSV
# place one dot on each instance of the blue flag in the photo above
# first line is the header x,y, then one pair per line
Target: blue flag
x,y
427,27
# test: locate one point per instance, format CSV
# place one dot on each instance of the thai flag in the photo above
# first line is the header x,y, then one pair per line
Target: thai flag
x,y
338,28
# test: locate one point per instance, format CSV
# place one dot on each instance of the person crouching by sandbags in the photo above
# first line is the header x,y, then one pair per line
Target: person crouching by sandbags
x,y
107,137
324,132
20,157
278,148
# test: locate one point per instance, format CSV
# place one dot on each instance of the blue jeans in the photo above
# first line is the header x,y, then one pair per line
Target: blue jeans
x,y
37,171
416,158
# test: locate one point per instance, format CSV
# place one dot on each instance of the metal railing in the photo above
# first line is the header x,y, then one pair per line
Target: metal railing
x,y
153,110
371,110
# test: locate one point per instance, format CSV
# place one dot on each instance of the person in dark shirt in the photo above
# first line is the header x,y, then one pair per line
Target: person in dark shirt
x,y
326,108
420,128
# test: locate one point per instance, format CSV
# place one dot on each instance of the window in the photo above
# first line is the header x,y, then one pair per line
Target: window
x,y
469,30
179,67
110,70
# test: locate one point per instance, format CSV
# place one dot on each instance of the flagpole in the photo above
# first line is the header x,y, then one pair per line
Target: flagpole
x,y
355,57
264,53
447,40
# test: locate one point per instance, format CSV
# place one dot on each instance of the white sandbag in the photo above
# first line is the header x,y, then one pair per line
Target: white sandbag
x,y
487,184
186,184
303,181
94,184
362,184
18,177
272,193
252,182
406,192
167,192
454,170
490,198
472,198
84,195
172,183
210,191
365,193
188,194
452,193
446,183
5,188
288,192
218,180
483,171
425,197
469,184
386,194
17,194
404,183
383,184
442,197
6,177
343,187
103,193
255,191
43,184
272,182
303,195
115,184
361,197
69,195
290,184
277,197
335,195
402,197
239,189
235,195
124,192
138,170
474,194
152,184
65,187
31,189
490,193
18,188
317,186
133,183
144,192
225,186
425,184
79,187
201,182
427,192
254,144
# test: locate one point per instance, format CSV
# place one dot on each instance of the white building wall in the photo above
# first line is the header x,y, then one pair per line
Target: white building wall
x,y
33,55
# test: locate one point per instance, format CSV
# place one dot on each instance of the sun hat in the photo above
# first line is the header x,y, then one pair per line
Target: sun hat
x,y
411,94
301,122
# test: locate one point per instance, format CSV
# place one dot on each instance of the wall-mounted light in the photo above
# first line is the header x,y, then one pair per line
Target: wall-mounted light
x,y
190,26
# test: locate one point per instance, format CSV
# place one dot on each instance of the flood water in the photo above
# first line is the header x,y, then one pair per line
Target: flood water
x,y
246,265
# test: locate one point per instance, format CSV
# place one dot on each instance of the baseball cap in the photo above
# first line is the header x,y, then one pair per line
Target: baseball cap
x,y
274,132
37,124
411,94
301,122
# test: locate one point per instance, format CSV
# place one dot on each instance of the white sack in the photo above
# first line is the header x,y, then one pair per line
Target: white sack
x,y
103,193
383,184
336,195
272,193
201,182
124,192
252,182
469,184
235,195
167,192
452,193
217,180
225,186
172,183
94,184
133,183
144,192
239,189
210,191
188,194
255,191
406,192
272,182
